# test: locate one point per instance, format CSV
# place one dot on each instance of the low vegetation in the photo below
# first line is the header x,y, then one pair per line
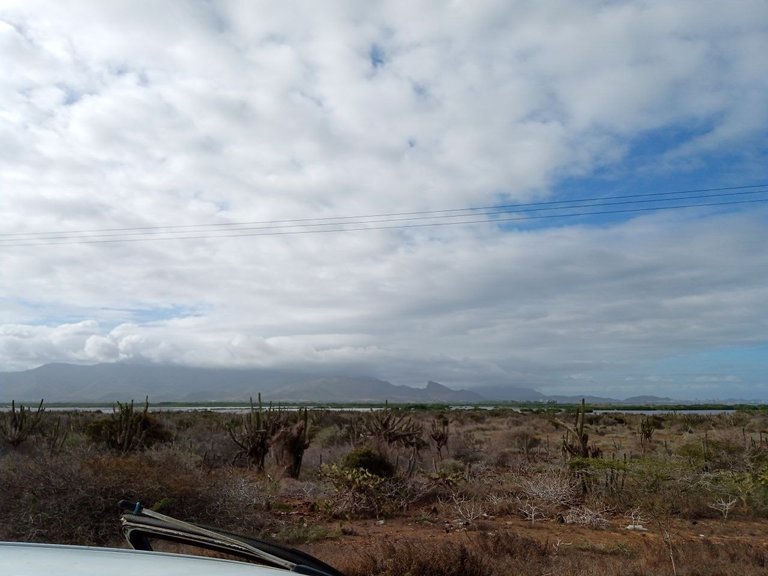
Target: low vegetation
x,y
454,492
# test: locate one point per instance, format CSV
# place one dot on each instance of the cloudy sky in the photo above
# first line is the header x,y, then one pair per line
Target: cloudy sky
x,y
315,185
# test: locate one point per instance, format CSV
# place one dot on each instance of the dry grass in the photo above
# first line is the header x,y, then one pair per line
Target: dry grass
x,y
503,488
501,554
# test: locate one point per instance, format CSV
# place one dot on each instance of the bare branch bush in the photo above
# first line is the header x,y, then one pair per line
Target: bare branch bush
x,y
465,510
554,489
240,495
594,517
636,519
530,510
724,506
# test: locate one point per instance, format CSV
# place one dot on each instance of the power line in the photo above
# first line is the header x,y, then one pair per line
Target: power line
x,y
392,216
362,220
272,232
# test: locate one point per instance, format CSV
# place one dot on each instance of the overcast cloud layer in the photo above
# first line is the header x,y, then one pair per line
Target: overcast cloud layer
x,y
118,115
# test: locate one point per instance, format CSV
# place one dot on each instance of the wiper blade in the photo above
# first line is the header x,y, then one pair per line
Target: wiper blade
x,y
146,522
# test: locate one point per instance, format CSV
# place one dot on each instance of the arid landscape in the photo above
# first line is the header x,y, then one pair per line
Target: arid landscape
x,y
410,490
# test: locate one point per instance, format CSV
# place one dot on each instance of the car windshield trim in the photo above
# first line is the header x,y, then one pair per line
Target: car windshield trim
x,y
139,525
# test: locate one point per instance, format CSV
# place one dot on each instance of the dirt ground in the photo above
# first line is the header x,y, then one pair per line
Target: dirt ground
x,y
357,536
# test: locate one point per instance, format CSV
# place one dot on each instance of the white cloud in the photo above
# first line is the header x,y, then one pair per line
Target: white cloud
x,y
536,305
123,114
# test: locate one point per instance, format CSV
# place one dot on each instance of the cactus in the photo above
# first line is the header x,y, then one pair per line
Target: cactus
x,y
392,429
647,429
579,445
127,430
17,426
55,435
293,440
438,431
253,434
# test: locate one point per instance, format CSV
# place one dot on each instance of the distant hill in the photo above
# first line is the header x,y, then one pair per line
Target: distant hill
x,y
650,400
503,393
108,383
111,382
588,399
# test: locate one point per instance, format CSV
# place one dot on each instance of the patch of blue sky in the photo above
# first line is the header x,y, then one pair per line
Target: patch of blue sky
x,y
647,168
655,162
377,56
420,90
751,360
42,314
121,69
734,373
33,313
153,315
71,95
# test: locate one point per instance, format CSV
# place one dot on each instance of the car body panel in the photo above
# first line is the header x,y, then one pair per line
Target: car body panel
x,y
23,559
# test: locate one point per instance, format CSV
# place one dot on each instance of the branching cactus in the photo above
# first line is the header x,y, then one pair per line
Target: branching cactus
x,y
253,434
391,428
647,429
438,432
575,439
128,429
17,426
292,440
55,434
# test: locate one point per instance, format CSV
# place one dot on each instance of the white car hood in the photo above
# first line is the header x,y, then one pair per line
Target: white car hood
x,y
21,559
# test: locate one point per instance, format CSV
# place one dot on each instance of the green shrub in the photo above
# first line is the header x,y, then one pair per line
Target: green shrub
x,y
356,492
369,460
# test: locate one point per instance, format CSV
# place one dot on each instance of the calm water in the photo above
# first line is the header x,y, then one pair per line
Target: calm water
x,y
244,409
217,409
663,411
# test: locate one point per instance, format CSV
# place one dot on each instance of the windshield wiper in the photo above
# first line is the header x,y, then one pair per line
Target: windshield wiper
x,y
139,524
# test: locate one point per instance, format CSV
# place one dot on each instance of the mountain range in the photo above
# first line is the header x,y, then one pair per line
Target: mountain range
x,y
113,382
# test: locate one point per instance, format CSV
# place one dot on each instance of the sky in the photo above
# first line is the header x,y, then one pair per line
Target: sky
x,y
297,185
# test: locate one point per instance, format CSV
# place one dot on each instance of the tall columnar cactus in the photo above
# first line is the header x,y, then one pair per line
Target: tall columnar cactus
x,y
253,433
438,432
579,444
17,426
292,440
128,429
55,434
647,428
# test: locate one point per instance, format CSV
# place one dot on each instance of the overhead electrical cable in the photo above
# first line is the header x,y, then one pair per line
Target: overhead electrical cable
x,y
309,224
424,214
362,226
